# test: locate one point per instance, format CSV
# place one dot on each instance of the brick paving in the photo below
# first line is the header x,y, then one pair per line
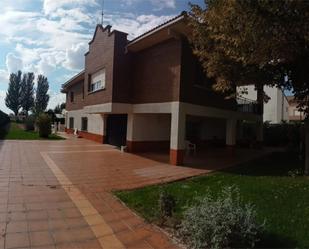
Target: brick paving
x,y
57,194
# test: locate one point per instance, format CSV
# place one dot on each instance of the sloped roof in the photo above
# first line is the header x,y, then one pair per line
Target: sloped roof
x,y
180,16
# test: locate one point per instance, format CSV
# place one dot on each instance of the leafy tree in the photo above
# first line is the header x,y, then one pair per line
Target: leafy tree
x,y
58,109
27,92
13,95
62,106
42,97
255,42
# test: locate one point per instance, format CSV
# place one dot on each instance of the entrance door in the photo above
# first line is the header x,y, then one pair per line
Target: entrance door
x,y
116,130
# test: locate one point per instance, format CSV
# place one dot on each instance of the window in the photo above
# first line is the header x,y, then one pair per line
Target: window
x,y
71,123
72,96
84,124
97,81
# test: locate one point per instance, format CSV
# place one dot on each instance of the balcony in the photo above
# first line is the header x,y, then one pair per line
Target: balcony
x,y
248,106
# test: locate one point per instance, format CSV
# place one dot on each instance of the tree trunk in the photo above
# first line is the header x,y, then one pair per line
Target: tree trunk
x,y
307,146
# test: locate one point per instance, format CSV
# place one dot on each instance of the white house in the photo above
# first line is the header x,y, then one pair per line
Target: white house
x,y
276,109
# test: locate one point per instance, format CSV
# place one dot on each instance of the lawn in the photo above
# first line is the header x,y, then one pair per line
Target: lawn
x,y
16,132
279,198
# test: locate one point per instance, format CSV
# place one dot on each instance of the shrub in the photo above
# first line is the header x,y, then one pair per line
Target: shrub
x,y
29,123
167,205
284,134
44,124
4,119
221,223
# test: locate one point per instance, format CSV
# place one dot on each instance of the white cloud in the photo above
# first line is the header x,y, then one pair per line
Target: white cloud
x,y
161,4
13,63
2,102
50,6
75,57
4,77
158,4
55,99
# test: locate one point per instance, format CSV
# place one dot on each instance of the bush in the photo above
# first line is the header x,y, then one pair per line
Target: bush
x,y
29,123
221,223
44,124
284,134
167,205
4,119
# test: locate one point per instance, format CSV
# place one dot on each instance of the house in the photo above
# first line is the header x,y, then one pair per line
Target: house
x,y
294,113
151,94
276,109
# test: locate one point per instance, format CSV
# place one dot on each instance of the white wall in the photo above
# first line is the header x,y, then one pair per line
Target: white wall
x,y
95,121
149,127
276,109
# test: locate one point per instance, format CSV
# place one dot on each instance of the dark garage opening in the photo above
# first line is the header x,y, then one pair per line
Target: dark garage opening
x,y
116,130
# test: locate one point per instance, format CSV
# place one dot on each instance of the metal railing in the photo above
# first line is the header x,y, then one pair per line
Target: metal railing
x,y
248,106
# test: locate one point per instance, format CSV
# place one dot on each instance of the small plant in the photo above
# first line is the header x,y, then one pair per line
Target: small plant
x,y
44,124
295,172
167,205
29,123
221,223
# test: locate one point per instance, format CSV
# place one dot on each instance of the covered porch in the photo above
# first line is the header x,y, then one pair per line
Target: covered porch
x,y
214,133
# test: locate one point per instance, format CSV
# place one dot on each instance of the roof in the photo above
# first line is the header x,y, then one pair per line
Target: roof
x,y
182,15
77,78
175,27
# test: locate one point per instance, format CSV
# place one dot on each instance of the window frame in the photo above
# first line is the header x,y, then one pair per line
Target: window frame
x,y
98,85
71,122
83,119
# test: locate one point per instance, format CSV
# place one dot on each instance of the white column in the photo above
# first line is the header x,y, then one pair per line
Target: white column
x,y
130,127
104,118
178,131
231,132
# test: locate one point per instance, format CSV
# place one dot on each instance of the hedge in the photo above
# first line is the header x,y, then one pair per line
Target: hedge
x,y
4,119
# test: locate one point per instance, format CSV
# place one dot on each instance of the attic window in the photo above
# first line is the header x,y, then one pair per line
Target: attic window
x,y
97,81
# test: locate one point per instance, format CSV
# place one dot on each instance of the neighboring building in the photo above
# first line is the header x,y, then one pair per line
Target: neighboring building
x,y
150,93
294,113
276,109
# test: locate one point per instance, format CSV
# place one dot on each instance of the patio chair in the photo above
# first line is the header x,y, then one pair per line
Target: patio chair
x,y
190,147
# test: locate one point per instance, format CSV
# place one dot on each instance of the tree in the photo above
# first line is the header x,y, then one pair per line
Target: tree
x,y
42,97
13,95
27,92
255,42
59,108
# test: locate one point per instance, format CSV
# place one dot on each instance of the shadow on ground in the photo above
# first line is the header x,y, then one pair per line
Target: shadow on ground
x,y
274,164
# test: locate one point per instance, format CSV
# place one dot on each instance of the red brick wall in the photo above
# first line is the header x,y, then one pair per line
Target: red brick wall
x,y
87,135
156,73
189,92
78,97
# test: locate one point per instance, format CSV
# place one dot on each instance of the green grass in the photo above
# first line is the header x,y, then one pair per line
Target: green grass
x,y
280,199
16,132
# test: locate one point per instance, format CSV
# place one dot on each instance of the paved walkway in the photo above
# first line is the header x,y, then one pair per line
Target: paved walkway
x,y
56,194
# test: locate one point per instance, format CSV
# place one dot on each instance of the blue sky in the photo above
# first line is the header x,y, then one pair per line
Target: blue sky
x,y
51,36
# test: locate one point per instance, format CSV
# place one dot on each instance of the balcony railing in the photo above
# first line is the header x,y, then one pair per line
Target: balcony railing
x,y
248,106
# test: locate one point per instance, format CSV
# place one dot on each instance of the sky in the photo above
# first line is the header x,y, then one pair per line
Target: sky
x,y
50,37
